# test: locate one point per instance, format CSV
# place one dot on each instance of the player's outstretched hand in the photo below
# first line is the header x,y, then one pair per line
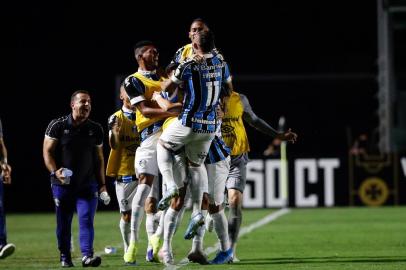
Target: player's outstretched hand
x,y
288,136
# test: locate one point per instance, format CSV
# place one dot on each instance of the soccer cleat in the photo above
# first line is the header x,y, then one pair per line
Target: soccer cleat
x,y
194,224
209,223
66,260
7,250
156,243
223,257
166,199
197,256
66,264
131,253
149,257
90,261
167,258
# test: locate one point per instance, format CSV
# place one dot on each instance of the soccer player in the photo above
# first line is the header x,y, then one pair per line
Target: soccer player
x,y
6,249
235,137
195,127
197,25
123,140
149,119
217,165
75,142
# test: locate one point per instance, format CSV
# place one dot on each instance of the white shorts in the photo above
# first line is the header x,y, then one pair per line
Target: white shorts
x,y
145,157
125,193
217,174
196,144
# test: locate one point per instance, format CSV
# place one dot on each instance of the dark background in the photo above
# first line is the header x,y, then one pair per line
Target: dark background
x,y
312,61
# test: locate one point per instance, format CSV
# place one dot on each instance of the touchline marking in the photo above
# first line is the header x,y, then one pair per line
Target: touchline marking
x,y
244,230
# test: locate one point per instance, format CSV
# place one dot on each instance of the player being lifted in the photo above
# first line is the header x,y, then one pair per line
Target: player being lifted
x,y
195,127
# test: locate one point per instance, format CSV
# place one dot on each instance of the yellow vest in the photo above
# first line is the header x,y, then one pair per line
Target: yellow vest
x,y
168,121
121,159
232,127
186,52
150,87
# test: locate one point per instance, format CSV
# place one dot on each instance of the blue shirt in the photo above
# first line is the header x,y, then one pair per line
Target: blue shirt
x,y
203,87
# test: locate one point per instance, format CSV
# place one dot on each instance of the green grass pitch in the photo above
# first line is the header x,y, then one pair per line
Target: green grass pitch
x,y
323,238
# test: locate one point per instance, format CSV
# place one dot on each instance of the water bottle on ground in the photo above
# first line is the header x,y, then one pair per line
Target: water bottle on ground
x,y
110,250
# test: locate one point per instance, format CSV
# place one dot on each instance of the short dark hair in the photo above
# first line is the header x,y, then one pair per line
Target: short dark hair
x,y
72,98
138,47
206,40
198,19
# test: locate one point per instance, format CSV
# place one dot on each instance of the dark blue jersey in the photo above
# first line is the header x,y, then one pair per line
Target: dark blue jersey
x,y
203,87
76,149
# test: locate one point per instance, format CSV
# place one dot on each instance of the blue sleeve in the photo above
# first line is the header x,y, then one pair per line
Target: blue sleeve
x,y
225,88
183,71
226,73
134,87
110,122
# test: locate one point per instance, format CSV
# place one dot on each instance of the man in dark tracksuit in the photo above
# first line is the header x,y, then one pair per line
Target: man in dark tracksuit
x,y
75,142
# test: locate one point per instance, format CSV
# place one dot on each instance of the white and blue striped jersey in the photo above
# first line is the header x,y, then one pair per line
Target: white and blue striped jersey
x,y
218,151
203,87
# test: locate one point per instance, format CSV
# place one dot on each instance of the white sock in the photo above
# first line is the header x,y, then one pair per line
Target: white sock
x,y
169,228
221,227
165,164
137,212
198,185
180,217
198,239
179,169
160,229
150,226
125,233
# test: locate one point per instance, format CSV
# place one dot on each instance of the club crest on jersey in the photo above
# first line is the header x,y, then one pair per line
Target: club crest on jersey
x,y
124,202
226,128
66,131
202,155
91,133
142,163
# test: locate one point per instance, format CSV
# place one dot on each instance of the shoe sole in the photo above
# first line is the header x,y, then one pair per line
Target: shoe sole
x,y
193,230
7,251
163,204
95,263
